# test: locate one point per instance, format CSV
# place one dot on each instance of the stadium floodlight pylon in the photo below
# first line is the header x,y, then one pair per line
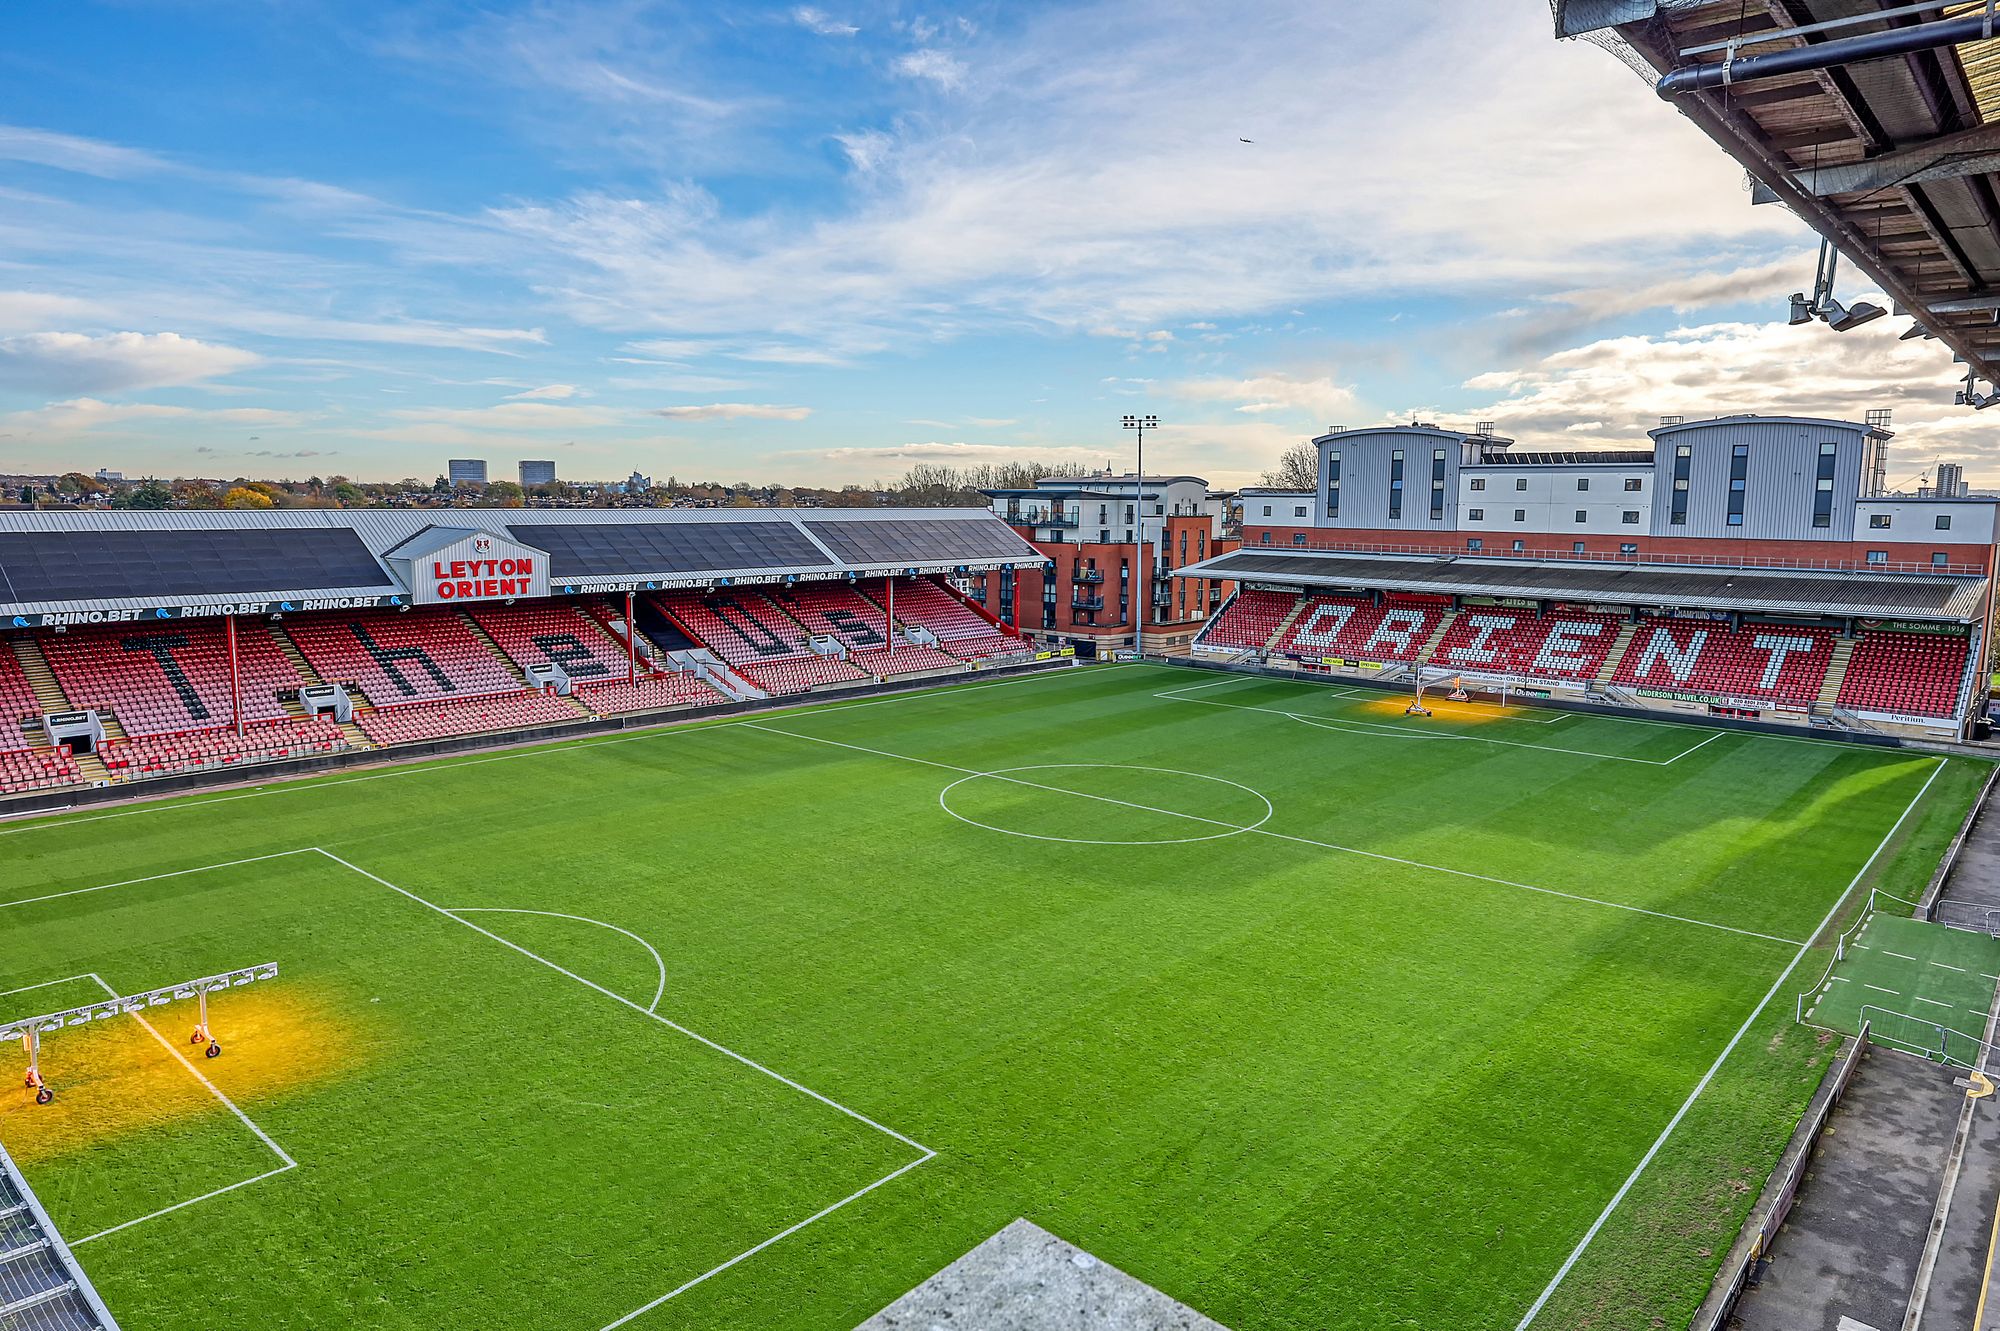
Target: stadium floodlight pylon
x,y
29,1030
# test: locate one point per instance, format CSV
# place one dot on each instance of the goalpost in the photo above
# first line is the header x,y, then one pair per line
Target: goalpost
x,y
30,1030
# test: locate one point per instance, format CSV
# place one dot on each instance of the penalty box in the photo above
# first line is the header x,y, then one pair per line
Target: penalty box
x,y
463,1092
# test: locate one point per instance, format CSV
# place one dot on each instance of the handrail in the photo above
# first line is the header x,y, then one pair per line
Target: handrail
x,y
1602,557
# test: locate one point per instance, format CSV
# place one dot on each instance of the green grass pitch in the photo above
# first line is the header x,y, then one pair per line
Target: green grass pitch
x,y
1308,1013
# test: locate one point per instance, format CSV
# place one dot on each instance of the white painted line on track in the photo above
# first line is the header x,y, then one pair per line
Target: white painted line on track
x,y
1900,956
1299,840
1948,966
1645,1161
1896,993
1934,1002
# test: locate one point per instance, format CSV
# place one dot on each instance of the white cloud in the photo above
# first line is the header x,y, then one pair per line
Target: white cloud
x,y
939,67
1608,393
821,22
514,416
58,363
29,311
83,414
866,149
546,391
1319,397
732,411
957,451
69,152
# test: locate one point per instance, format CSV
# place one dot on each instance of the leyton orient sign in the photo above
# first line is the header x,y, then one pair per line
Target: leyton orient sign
x,y
481,567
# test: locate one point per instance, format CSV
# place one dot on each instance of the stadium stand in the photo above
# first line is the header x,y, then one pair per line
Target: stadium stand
x,y
1782,662
1353,626
959,629
17,702
1519,642
836,609
1914,674
648,693
407,657
906,659
169,679
23,770
759,640
158,755
1248,620
412,722
543,632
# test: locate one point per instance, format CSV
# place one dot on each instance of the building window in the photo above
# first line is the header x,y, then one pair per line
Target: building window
x,y
1823,485
1520,546
1583,483
1475,544
1683,462
1298,538
1878,520
1520,482
1264,538
1630,517
1476,514
1437,482
1267,510
1878,556
1938,559
1633,484
1628,548
1396,484
1943,522
1298,510
1478,483
1576,547
1739,473
1583,515
1520,515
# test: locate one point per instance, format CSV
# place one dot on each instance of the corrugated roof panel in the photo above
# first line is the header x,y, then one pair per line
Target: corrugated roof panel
x,y
77,565
920,541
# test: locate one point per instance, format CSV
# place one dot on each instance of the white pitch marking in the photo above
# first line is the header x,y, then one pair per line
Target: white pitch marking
x,y
1934,1002
658,992
925,1152
45,984
150,878
415,767
1597,1225
1900,956
213,1090
1897,993
1948,966
1285,836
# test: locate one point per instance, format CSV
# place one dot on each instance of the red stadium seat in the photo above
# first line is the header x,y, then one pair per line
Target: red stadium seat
x,y
413,722
758,639
960,631
649,693
395,658
171,676
1502,641
1354,628
1914,674
1775,662
1249,620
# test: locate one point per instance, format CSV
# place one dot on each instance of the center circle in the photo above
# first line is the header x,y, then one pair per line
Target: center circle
x,y
1112,803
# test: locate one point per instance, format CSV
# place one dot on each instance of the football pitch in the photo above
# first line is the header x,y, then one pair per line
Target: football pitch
x,y
1311,1014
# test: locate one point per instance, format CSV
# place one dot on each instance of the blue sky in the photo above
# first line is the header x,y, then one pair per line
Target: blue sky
x,y
820,243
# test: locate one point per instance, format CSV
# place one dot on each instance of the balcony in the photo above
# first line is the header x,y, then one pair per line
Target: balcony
x,y
1086,603
1090,575
1051,520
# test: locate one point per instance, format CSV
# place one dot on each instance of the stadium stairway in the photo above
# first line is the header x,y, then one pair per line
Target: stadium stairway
x,y
356,739
1445,620
478,630
1285,624
42,679
1609,670
1836,672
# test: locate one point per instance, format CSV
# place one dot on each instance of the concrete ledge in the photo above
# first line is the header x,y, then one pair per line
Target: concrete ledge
x,y
1026,1279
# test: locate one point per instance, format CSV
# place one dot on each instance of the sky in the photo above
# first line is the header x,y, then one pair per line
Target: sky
x,y
821,243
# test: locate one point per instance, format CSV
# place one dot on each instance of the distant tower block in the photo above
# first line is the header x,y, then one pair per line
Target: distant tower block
x,y
538,472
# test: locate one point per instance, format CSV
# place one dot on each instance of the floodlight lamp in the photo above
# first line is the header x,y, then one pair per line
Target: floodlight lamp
x,y
1802,310
1840,320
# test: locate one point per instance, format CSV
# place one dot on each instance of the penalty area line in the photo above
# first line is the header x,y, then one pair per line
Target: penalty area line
x,y
1645,1161
214,1090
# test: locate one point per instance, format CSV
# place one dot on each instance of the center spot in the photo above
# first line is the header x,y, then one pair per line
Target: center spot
x,y
1105,804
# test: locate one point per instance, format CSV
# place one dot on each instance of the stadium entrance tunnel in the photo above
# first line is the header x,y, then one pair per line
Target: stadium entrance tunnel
x,y
1105,804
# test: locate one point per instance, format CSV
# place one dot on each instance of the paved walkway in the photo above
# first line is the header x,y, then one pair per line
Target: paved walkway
x,y
1847,1256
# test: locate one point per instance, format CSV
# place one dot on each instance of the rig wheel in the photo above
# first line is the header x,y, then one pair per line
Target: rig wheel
x,y
44,1095
214,1050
